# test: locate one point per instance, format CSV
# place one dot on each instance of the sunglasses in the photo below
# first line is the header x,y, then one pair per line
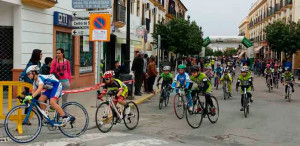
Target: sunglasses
x,y
106,79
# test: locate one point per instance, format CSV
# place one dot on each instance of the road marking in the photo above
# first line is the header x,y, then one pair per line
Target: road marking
x,y
141,142
81,139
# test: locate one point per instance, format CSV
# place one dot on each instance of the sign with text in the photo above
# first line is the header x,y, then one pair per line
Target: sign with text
x,y
80,32
61,19
100,27
91,4
81,23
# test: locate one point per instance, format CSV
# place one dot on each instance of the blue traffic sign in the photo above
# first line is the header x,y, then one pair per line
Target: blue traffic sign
x,y
99,23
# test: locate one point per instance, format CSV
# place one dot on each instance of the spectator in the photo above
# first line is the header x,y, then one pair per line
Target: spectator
x,y
47,65
62,68
145,69
152,73
117,70
137,68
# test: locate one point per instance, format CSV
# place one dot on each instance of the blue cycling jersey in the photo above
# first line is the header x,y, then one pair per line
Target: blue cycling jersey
x,y
183,79
48,82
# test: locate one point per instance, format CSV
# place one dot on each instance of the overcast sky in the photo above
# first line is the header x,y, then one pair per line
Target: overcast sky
x,y
218,17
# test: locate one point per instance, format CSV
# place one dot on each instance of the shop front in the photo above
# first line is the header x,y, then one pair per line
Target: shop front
x,y
78,50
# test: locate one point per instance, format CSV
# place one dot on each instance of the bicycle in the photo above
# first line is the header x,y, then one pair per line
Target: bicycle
x,y
200,110
246,101
225,90
269,83
179,103
289,92
35,116
165,96
276,82
218,81
108,114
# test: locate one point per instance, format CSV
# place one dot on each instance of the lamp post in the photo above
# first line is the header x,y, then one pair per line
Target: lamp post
x,y
127,55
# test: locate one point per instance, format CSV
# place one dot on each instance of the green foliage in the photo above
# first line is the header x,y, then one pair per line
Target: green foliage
x,y
209,52
229,52
218,53
180,36
283,37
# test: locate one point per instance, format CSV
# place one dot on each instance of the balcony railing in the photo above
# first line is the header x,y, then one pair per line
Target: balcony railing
x,y
277,8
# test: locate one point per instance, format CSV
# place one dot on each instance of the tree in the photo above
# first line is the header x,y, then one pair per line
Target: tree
x,y
229,52
283,37
209,52
218,53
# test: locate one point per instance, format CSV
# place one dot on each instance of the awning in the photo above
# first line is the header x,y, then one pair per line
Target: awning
x,y
257,49
242,53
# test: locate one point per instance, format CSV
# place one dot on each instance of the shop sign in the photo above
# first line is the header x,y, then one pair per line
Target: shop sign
x,y
91,4
61,19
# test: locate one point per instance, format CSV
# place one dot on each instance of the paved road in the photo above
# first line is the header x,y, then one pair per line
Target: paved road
x,y
272,121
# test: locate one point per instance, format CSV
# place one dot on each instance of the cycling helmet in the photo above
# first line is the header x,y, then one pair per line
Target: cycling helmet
x,y
287,68
268,65
167,68
109,74
244,69
276,65
195,68
32,68
181,66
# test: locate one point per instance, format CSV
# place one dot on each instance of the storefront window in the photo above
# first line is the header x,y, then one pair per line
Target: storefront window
x,y
65,41
86,55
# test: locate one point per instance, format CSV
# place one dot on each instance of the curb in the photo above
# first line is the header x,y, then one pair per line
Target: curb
x,y
137,101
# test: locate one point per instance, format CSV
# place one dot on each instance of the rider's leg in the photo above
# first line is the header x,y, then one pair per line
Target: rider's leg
x,y
292,85
53,103
43,98
189,97
208,99
242,103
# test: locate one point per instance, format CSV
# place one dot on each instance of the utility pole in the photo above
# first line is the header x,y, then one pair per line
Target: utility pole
x,y
127,59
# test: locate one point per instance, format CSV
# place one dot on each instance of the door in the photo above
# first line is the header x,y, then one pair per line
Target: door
x,y
6,53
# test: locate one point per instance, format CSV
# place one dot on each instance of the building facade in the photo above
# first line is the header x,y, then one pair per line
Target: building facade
x,y
264,12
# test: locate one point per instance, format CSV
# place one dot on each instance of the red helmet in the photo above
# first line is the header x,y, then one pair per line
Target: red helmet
x,y
276,65
109,74
268,65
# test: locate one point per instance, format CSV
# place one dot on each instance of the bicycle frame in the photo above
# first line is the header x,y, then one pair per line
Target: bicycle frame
x,y
111,104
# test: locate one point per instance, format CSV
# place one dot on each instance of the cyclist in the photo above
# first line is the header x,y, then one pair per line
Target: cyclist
x,y
230,68
245,81
53,90
204,84
213,63
227,77
207,63
288,77
269,73
209,73
116,85
276,73
183,79
218,73
167,77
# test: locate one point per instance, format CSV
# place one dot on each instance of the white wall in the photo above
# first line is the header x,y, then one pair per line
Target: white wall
x,y
6,14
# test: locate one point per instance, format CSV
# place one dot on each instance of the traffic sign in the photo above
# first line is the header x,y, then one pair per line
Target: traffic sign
x,y
100,27
91,4
81,23
86,14
80,32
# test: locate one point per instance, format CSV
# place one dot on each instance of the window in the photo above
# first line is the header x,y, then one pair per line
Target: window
x,y
65,41
86,55
138,8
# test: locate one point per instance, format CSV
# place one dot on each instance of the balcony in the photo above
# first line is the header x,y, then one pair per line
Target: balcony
x,y
159,3
44,4
277,9
288,3
120,18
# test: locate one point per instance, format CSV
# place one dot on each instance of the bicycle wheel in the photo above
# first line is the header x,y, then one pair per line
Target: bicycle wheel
x,y
179,107
213,117
79,119
131,120
104,117
289,94
225,93
161,100
245,105
28,131
195,117
166,99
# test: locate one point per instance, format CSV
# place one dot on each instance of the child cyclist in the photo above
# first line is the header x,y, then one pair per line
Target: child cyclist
x,y
167,77
183,79
227,77
269,73
204,85
53,90
209,73
246,81
117,85
218,73
288,77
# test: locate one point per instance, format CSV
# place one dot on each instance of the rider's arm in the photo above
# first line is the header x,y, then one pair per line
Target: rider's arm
x,y
38,90
238,83
187,80
158,79
175,81
206,86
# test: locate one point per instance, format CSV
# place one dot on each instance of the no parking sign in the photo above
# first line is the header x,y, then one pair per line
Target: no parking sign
x,y
100,27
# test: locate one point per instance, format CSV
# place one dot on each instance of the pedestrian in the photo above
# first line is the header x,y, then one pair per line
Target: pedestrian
x,y
145,69
117,70
45,70
152,73
137,68
62,68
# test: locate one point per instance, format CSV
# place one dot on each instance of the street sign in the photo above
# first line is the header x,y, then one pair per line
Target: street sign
x,y
91,4
86,14
80,32
100,27
81,23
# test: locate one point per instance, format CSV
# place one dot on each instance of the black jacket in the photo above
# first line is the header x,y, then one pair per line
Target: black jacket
x,y
138,65
45,70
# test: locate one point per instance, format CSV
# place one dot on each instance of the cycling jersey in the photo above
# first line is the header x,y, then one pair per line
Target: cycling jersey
x,y
269,71
117,85
219,71
245,82
203,82
226,78
51,84
167,77
288,77
183,79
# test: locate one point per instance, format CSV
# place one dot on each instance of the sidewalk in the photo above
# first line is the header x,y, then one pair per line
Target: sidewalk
x,y
88,100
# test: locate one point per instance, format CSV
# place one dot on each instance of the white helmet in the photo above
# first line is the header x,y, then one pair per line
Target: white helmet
x,y
209,67
166,68
244,69
32,68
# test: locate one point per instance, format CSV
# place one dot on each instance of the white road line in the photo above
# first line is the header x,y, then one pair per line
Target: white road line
x,y
83,138
141,142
